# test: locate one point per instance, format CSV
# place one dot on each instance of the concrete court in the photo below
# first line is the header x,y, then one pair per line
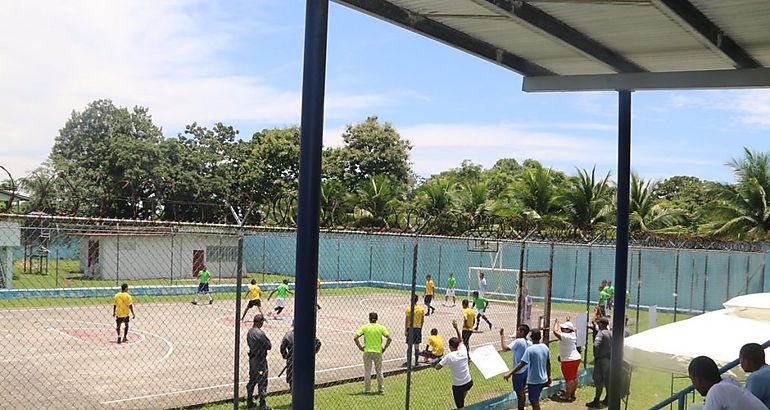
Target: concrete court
x,y
179,354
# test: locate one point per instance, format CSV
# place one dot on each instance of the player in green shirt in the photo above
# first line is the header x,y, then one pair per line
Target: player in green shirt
x,y
481,308
451,283
203,285
280,301
373,333
604,296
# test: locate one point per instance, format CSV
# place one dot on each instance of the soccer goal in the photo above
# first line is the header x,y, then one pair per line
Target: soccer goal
x,y
502,283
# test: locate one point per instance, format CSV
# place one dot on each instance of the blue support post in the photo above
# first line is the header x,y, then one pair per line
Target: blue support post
x,y
621,246
309,203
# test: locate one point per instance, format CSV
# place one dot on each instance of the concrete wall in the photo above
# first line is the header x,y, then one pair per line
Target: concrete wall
x,y
156,257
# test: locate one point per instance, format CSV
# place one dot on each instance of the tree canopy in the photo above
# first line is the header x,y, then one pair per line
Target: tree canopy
x,y
111,161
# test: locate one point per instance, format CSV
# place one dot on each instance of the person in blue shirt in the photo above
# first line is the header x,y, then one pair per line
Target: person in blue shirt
x,y
752,360
518,347
538,357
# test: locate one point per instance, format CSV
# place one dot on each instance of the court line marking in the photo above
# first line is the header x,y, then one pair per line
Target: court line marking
x,y
219,386
168,342
79,339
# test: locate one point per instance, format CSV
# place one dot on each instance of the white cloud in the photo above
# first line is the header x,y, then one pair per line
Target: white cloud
x,y
170,56
442,146
755,107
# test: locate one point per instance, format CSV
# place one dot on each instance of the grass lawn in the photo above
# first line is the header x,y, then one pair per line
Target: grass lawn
x,y
432,390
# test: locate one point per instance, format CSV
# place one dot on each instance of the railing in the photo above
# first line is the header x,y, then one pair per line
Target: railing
x,y
681,396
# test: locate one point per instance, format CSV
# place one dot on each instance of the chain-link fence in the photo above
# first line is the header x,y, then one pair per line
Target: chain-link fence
x,y
60,276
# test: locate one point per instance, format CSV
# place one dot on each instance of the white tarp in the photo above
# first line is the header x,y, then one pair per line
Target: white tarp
x,y
718,335
488,361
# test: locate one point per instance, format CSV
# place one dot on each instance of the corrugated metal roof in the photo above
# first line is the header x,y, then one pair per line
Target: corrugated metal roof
x,y
566,37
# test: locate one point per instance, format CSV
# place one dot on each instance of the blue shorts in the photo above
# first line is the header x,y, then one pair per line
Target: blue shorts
x,y
534,392
203,287
414,336
519,382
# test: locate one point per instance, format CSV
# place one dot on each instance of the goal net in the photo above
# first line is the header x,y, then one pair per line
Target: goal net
x,y
502,283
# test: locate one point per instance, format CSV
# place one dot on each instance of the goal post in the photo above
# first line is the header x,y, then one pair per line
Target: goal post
x,y
502,283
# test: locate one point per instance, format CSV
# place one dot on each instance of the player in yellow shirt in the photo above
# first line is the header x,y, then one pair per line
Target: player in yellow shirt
x,y
430,288
253,295
469,320
122,304
435,349
413,334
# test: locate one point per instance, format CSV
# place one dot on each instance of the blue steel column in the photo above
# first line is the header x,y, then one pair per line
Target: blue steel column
x,y
621,247
311,144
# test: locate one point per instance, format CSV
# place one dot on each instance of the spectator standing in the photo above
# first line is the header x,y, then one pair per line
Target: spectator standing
x,y
518,346
482,285
569,358
457,361
752,360
602,358
287,352
259,344
373,333
538,357
721,394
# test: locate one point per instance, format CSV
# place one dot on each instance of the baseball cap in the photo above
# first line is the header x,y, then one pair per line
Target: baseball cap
x,y
567,325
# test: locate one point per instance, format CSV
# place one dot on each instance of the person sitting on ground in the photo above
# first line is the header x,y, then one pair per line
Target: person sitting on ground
x,y
752,360
569,357
721,394
435,350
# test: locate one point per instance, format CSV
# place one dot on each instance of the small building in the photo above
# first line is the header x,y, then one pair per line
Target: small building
x,y
10,238
11,199
156,253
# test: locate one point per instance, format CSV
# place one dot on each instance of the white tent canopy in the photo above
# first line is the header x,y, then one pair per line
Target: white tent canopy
x,y
718,335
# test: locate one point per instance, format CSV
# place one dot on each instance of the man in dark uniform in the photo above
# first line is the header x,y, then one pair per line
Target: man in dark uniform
x,y
259,344
287,352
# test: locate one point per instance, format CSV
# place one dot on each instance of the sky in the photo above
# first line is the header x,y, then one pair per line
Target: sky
x,y
240,63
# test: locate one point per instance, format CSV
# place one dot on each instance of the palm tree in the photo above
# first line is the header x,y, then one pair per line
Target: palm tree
x,y
472,199
434,197
645,213
376,199
742,210
335,203
589,201
540,196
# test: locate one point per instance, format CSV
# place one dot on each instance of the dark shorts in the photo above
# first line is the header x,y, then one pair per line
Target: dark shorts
x,y
601,373
459,393
414,336
467,337
534,392
519,382
203,287
120,320
255,302
428,299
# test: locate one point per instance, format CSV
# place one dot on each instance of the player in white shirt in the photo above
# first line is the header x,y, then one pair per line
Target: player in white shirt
x,y
482,285
457,360
721,394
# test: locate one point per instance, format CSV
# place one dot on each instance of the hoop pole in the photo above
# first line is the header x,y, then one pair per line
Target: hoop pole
x,y
520,293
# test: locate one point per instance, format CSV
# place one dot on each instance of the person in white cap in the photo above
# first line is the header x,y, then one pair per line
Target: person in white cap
x,y
569,356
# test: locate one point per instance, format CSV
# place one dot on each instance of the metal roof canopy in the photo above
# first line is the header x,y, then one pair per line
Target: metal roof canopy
x,y
557,45
593,45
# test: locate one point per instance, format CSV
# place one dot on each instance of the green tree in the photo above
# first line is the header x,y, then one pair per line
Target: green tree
x,y
376,199
645,213
336,203
589,200
110,154
370,149
541,196
742,210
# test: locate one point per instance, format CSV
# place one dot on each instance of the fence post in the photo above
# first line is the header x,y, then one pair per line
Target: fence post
x,y
338,260
237,321
638,286
171,274
574,275
370,262
729,262
117,255
676,284
439,264
705,281
57,268
409,346
520,296
264,250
